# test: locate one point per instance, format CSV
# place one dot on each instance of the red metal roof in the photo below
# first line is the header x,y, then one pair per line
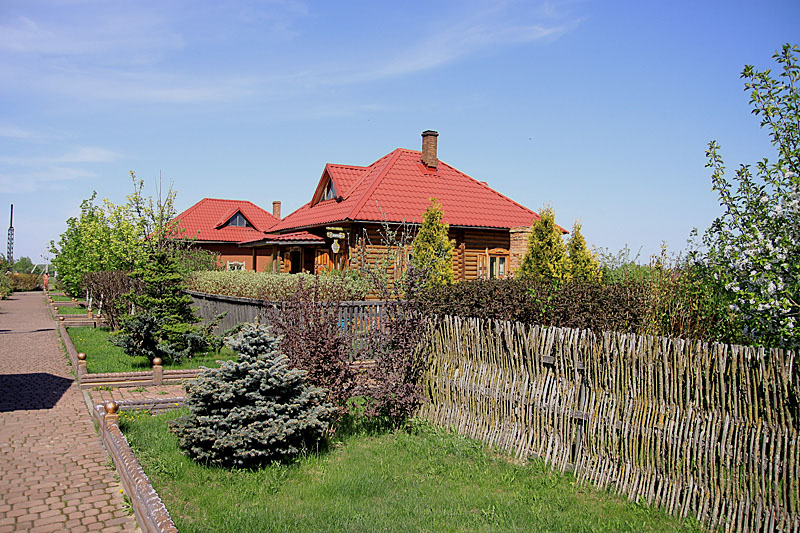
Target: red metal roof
x,y
398,187
205,221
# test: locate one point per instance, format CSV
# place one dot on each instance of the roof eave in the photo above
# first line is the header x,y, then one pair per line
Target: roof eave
x,y
266,242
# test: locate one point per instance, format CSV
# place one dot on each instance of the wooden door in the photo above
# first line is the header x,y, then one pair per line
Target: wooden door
x,y
322,261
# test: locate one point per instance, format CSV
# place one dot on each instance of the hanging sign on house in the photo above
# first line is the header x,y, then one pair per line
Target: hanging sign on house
x,y
335,233
335,247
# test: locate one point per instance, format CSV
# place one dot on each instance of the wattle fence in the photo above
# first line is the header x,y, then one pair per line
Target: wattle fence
x,y
698,429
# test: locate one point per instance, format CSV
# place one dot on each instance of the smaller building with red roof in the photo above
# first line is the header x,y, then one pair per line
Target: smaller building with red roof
x,y
220,225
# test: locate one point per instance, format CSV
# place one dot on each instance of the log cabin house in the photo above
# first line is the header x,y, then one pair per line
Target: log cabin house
x,y
341,225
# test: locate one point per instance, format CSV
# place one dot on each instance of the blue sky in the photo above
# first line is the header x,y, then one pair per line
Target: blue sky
x,y
601,109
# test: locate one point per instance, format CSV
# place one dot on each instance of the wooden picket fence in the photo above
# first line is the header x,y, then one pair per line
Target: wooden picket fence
x,y
357,318
699,429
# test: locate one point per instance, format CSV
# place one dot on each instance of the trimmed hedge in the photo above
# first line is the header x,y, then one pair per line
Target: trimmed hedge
x,y
673,303
578,304
26,282
278,287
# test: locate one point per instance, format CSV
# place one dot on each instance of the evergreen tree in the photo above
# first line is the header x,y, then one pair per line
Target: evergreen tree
x,y
254,411
583,263
546,258
432,250
163,323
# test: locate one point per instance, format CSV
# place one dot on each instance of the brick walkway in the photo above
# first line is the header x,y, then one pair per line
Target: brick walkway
x,y
54,473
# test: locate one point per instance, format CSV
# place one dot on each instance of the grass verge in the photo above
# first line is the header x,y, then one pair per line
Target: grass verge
x,y
73,311
421,480
57,298
103,356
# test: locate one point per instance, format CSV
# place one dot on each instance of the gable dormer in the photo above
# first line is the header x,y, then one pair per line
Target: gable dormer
x,y
326,190
234,220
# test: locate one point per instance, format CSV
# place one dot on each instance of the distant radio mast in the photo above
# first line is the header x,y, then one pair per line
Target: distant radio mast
x,y
10,254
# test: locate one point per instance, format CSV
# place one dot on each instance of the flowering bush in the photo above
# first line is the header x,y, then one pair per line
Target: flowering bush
x,y
753,249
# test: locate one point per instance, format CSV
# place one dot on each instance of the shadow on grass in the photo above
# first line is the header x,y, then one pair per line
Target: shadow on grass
x,y
24,392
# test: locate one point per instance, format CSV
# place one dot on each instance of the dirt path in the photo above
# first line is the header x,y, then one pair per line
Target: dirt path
x,y
54,473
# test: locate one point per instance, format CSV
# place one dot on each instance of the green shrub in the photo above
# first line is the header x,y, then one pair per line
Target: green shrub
x,y
252,412
5,286
278,287
163,324
25,282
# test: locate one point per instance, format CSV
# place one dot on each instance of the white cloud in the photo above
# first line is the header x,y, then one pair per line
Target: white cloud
x,y
115,35
26,174
458,42
440,43
88,154
80,154
13,132
35,180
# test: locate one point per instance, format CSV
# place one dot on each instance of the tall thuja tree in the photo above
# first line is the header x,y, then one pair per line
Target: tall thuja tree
x,y
546,258
432,249
753,250
162,322
583,264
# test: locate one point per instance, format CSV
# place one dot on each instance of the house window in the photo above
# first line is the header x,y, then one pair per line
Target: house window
x,y
239,221
493,264
497,266
330,192
235,265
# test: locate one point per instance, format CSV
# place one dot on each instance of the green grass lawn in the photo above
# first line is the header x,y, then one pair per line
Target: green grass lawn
x,y
102,356
422,480
57,298
72,310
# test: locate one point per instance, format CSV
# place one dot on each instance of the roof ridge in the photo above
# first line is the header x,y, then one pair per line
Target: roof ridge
x,y
354,167
392,158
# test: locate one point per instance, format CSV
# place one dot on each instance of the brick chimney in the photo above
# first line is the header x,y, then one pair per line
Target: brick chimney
x,y
429,157
276,209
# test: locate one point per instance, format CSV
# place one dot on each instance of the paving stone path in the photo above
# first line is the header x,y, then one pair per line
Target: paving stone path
x,y
54,472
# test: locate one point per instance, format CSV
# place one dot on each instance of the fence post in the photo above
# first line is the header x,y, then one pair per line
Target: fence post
x,y
81,365
111,416
158,371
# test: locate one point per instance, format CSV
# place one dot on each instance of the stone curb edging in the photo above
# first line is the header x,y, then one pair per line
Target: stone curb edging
x,y
156,376
151,514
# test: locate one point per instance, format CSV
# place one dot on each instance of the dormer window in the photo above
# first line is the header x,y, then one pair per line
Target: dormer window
x,y
238,221
330,191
